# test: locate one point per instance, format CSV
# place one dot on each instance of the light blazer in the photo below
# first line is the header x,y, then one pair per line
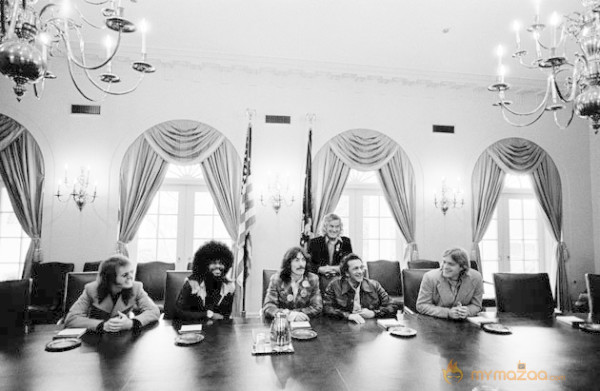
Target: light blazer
x,y
281,296
89,313
436,297
319,253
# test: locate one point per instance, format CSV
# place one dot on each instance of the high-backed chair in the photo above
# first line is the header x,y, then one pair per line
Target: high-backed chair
x,y
74,285
48,290
91,266
411,283
423,264
592,282
173,283
524,294
474,265
266,277
15,296
189,265
152,275
388,275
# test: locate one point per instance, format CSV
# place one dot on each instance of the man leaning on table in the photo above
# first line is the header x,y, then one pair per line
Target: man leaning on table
x,y
454,291
354,297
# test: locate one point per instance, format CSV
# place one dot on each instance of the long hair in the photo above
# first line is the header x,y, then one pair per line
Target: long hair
x,y
329,218
207,253
286,264
459,256
107,276
344,263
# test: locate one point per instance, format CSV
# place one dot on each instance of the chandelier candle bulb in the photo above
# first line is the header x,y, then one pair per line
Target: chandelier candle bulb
x,y
517,28
554,22
143,29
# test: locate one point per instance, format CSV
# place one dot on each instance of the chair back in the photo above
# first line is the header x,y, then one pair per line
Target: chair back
x,y
74,285
474,265
411,283
49,283
189,265
423,264
15,296
91,266
173,283
524,294
266,277
388,275
152,275
592,282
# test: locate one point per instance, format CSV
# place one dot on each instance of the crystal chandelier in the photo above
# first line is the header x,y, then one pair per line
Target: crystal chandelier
x,y
29,35
572,85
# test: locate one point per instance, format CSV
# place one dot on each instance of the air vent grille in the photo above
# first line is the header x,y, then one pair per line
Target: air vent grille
x,y
443,129
85,109
278,119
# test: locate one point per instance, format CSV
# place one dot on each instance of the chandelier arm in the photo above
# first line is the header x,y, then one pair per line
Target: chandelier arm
x,y
42,85
87,20
518,125
13,20
540,107
572,93
527,66
107,90
82,64
70,67
96,3
563,127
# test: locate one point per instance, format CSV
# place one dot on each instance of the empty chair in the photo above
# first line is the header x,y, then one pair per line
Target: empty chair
x,y
266,277
423,264
74,285
388,275
48,290
152,275
14,301
592,282
524,294
173,283
91,266
411,283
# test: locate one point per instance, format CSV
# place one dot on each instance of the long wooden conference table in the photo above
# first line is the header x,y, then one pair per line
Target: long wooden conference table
x,y
343,356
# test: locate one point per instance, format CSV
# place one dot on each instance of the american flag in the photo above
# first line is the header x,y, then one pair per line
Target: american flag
x,y
306,229
247,220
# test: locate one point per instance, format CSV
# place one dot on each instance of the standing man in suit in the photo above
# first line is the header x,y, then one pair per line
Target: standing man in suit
x,y
326,251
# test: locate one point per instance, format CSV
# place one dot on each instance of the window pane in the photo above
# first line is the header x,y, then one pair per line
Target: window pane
x,y
11,250
387,250
370,250
370,206
220,231
531,250
343,207
10,271
516,229
202,226
9,225
514,209
169,201
530,230
516,267
530,207
531,267
146,251
5,205
489,250
370,228
387,228
167,227
384,208
516,250
148,227
203,203
167,250
492,231
154,205
345,226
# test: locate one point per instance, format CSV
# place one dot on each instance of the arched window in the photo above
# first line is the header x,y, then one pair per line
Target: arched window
x,y
14,242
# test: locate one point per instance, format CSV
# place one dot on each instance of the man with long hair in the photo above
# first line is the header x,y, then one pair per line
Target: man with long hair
x,y
107,303
207,293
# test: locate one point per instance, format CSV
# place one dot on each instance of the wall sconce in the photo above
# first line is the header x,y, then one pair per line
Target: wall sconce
x,y
277,195
448,198
79,191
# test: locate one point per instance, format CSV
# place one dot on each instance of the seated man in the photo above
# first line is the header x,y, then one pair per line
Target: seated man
x,y
454,291
294,290
326,251
207,293
106,303
354,297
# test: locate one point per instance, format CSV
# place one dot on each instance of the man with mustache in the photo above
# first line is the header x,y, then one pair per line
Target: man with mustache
x,y
294,290
207,293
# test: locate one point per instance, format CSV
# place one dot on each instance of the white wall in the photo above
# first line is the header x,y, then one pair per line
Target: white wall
x,y
403,109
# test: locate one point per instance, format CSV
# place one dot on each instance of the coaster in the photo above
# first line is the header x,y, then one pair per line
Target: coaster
x,y
62,344
496,328
404,332
304,334
188,339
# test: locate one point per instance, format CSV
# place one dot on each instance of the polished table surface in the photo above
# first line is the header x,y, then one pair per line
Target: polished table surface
x,y
344,356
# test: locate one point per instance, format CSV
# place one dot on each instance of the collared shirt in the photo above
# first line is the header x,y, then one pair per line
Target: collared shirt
x,y
331,244
356,304
338,300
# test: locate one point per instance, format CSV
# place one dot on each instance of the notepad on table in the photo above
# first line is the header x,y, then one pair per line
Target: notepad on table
x,y
190,328
300,325
570,320
389,323
479,320
70,333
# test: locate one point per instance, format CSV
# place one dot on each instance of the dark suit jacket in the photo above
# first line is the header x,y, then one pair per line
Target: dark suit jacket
x,y
317,248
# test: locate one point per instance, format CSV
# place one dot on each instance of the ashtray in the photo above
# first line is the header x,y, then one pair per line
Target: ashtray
x,y
403,332
496,328
188,339
304,334
63,344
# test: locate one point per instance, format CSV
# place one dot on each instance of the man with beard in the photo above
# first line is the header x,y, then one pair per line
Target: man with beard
x,y
294,290
354,297
207,293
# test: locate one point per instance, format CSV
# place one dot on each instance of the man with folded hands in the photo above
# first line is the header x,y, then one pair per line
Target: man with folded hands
x,y
354,297
454,291
106,304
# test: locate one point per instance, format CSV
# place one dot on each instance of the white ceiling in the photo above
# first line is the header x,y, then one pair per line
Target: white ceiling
x,y
423,36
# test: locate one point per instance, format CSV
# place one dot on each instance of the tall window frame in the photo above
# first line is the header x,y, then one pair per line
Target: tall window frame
x,y
14,242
